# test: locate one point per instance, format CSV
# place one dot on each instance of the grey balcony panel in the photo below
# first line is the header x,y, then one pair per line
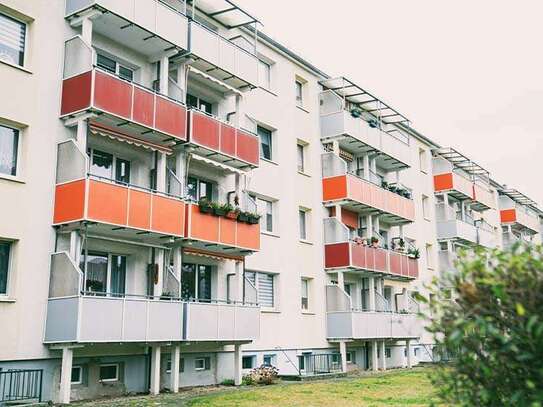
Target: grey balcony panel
x,y
339,325
62,319
101,319
165,321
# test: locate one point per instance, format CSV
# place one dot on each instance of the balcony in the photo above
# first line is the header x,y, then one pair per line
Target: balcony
x,y
220,234
360,195
224,322
221,58
148,26
117,103
447,262
451,226
521,219
342,322
343,254
457,185
78,318
222,142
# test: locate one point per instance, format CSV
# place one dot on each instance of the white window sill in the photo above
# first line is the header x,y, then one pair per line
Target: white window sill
x,y
427,219
4,298
270,311
19,67
303,109
306,242
269,161
271,234
12,178
305,174
307,312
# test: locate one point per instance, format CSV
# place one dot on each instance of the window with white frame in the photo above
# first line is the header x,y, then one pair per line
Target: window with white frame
x,y
268,360
264,74
388,353
265,287
5,261
110,65
109,166
425,207
109,373
303,221
248,362
299,88
266,142
9,150
300,156
198,188
265,209
305,294
350,356
181,365
423,160
430,255
105,273
12,40
77,375
202,363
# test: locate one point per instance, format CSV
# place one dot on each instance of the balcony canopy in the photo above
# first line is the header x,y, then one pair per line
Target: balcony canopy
x,y
462,162
519,197
354,94
224,11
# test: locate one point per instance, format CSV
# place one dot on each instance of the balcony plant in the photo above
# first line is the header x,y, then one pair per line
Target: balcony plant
x,y
374,242
373,123
253,218
356,112
243,216
413,253
222,210
232,213
205,205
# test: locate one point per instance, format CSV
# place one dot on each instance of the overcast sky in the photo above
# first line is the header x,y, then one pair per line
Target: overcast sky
x,y
468,74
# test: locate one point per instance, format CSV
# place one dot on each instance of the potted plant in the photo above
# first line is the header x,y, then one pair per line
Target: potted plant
x,y
232,213
401,243
413,253
205,205
406,194
356,112
384,184
253,218
243,216
374,242
221,210
393,188
373,123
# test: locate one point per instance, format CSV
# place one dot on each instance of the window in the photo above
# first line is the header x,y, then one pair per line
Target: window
x,y
302,216
299,93
264,284
104,273
425,207
423,160
247,362
199,103
264,74
202,363
351,356
12,40
301,362
265,142
196,282
266,209
305,294
9,147
301,157
388,353
198,189
112,66
269,360
77,375
108,166
5,249
109,373
429,256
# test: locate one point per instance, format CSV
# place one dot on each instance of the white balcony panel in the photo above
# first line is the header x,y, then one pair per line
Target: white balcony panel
x,y
486,238
456,229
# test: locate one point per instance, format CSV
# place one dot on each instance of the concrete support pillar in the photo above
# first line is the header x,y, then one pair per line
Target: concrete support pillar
x,y
343,353
161,164
376,226
182,80
86,30
154,388
239,282
240,111
181,171
340,280
383,356
74,245
373,164
369,227
81,135
366,159
164,72
374,359
335,147
337,209
158,285
237,364
238,185
66,375
408,350
371,293
401,231
174,372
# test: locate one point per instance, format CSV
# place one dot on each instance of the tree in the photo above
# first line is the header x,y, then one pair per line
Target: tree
x,y
491,321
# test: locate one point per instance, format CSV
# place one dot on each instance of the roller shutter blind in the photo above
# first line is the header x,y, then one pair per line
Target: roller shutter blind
x,y
12,40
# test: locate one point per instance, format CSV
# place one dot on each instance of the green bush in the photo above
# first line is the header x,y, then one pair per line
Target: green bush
x,y
228,382
491,321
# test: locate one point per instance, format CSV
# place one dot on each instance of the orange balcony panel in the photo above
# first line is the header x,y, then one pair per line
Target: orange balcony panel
x,y
139,213
69,202
334,188
144,107
508,215
228,232
205,131
248,147
107,203
113,95
203,226
168,215
349,218
228,140
248,236
443,182
170,118
76,93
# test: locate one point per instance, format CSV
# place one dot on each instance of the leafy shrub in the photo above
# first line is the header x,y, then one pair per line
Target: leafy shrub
x,y
228,382
261,375
491,322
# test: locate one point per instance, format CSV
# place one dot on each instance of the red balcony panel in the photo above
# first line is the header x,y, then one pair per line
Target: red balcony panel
x,y
248,236
337,255
228,139
413,268
144,107
443,182
359,255
381,259
405,266
76,93
69,202
139,211
108,203
228,232
168,215
170,117
205,131
113,95
334,188
203,226
370,258
508,215
248,147
395,263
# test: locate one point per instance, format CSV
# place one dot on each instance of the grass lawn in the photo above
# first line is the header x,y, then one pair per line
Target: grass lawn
x,y
393,388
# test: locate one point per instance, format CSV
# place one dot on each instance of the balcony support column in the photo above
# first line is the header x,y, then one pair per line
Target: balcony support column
x,y
343,354
408,351
376,226
155,370
369,226
239,292
86,30
164,72
159,260
181,169
340,280
161,171
374,359
66,375
174,371
383,356
366,160
237,364
81,134
371,293
240,111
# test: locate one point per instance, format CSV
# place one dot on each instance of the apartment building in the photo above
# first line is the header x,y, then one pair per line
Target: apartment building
x,y
187,199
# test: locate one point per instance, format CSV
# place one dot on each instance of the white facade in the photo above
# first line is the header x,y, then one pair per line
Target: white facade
x,y
114,281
